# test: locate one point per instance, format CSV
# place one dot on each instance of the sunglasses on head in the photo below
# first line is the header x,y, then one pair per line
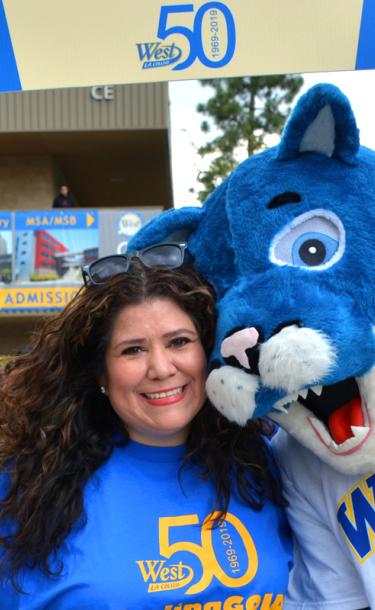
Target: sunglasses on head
x,y
165,255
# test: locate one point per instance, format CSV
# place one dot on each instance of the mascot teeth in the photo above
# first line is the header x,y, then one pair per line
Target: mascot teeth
x,y
318,389
281,404
360,432
281,408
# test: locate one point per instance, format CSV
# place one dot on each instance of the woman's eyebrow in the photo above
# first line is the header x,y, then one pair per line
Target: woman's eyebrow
x,y
179,331
168,335
133,341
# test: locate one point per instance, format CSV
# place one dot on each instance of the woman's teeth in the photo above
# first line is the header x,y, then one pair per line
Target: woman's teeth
x,y
156,395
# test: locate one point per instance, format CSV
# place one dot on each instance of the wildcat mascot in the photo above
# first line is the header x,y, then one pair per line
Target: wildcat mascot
x,y
288,240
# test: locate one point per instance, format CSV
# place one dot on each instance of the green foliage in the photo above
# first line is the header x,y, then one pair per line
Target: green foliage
x,y
6,275
245,110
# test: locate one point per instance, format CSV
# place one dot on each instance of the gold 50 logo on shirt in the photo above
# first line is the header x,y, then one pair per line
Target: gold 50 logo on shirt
x,y
218,558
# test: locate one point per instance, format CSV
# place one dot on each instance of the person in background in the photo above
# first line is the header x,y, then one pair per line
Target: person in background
x,y
64,199
121,486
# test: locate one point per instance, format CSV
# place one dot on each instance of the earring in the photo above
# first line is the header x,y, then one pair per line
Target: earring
x,y
102,389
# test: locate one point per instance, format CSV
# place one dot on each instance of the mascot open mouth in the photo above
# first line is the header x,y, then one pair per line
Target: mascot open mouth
x,y
339,415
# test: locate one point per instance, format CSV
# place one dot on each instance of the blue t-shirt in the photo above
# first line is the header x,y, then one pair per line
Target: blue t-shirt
x,y
146,545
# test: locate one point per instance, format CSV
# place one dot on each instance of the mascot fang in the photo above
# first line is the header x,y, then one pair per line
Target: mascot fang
x,y
288,241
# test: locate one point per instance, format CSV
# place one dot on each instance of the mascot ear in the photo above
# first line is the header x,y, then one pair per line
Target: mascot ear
x,y
322,122
174,225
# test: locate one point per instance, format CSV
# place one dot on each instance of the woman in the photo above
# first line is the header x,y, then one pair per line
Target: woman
x,y
123,488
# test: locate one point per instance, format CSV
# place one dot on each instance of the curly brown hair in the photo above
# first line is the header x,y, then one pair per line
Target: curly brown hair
x,y
57,428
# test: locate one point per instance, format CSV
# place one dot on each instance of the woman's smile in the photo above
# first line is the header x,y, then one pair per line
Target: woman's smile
x,y
166,397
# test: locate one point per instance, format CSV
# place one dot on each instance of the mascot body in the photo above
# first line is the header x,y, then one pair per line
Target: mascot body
x,y
288,240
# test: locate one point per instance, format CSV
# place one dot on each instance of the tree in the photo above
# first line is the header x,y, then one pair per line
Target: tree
x,y
245,110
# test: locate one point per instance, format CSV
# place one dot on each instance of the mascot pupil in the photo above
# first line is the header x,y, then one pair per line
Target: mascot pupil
x,y
288,241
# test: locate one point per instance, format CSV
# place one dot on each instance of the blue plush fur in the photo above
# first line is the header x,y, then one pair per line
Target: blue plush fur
x,y
251,251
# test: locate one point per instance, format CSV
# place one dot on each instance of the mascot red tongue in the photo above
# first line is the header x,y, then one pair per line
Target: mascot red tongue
x,y
340,422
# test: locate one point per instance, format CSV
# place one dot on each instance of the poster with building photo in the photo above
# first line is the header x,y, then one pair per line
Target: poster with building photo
x,y
6,247
51,246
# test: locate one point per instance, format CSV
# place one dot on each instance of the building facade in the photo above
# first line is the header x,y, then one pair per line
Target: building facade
x,y
110,144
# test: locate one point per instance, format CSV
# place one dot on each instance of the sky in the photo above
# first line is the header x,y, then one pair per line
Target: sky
x,y
186,135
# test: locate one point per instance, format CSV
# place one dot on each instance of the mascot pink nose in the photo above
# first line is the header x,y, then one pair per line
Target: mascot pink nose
x,y
237,344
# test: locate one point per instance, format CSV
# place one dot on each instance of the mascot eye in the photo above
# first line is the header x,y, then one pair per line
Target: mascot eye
x,y
315,241
313,249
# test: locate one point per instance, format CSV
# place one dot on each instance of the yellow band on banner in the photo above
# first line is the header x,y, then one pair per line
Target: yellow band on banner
x,y
38,298
86,42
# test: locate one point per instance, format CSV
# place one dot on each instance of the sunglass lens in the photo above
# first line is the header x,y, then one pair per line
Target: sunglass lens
x,y
106,268
168,255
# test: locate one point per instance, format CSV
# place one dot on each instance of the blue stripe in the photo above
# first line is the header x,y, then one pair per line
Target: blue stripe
x,y
9,77
366,42
9,310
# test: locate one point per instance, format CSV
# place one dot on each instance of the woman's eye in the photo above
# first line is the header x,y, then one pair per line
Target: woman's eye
x,y
315,241
180,341
132,350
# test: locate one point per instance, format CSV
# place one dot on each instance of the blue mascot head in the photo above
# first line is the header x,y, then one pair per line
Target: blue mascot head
x,y
288,240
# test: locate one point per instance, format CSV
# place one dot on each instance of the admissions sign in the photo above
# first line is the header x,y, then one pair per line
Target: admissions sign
x,y
55,44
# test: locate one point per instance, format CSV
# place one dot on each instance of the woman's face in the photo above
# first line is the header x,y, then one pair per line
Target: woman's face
x,y
155,371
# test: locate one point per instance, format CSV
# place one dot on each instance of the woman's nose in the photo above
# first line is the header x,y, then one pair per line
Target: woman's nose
x,y
161,364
